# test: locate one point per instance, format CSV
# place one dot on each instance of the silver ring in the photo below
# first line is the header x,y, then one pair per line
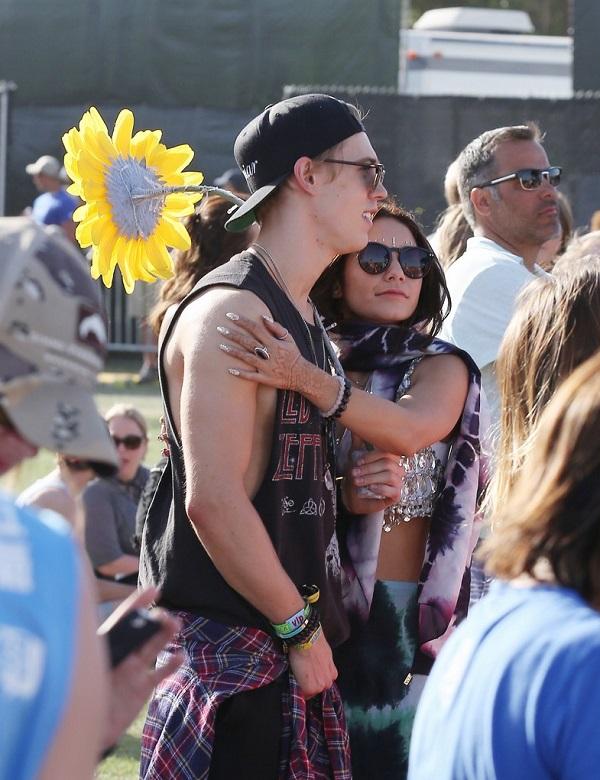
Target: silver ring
x,y
262,352
284,337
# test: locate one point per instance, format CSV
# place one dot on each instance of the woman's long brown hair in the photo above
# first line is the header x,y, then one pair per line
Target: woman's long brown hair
x,y
211,246
550,526
555,328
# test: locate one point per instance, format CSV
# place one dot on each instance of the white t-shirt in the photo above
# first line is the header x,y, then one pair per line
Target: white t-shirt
x,y
484,283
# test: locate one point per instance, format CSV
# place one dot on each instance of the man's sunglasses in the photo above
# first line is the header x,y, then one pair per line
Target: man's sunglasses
x,y
529,178
414,260
130,442
378,171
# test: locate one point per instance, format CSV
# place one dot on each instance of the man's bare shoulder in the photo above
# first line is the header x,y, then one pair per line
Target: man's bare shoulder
x,y
212,305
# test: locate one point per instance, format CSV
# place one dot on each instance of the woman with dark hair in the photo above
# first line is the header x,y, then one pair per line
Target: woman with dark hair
x,y
515,691
417,398
211,246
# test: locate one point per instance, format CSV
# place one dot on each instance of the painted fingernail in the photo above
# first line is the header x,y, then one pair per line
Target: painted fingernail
x,y
223,331
224,347
234,371
267,318
231,315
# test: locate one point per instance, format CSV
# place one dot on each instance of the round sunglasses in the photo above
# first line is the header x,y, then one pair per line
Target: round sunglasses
x,y
130,442
415,261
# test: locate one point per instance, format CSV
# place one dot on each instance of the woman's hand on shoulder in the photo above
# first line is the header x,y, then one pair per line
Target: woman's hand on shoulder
x,y
266,348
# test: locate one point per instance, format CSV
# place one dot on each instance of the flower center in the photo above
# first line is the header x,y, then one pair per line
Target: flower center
x,y
125,179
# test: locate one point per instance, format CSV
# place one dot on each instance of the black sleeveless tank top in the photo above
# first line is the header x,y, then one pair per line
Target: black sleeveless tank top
x,y
295,500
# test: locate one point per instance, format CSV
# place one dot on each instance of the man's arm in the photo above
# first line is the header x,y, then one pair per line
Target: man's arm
x,y
220,421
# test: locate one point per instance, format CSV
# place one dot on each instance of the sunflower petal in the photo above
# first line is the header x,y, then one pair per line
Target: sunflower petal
x,y
121,136
173,233
159,257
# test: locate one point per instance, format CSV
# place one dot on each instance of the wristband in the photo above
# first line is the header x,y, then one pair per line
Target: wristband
x,y
299,621
311,639
345,398
310,593
294,624
304,636
330,412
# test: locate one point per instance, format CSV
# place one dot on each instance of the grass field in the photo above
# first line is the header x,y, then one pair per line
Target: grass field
x,y
116,385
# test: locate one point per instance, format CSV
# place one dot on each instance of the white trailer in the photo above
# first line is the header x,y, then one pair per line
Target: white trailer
x,y
483,52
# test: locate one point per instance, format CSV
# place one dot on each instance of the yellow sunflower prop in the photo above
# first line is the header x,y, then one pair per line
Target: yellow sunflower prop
x,y
135,193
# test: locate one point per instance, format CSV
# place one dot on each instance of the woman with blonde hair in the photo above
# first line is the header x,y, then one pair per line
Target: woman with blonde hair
x,y
514,692
449,240
555,327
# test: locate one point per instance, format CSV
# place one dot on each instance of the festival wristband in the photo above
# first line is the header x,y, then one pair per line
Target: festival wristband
x,y
304,636
294,624
299,620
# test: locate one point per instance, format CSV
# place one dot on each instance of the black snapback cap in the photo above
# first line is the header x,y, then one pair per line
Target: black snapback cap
x,y
266,150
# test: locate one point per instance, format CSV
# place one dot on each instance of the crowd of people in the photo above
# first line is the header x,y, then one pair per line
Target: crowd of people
x,y
372,539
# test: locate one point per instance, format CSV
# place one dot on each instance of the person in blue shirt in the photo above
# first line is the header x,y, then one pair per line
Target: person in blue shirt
x,y
514,692
59,706
54,205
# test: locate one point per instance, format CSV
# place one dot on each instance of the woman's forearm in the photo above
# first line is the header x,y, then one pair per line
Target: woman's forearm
x,y
316,385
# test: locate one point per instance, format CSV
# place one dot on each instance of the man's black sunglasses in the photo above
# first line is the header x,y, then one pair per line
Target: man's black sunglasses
x,y
377,168
529,178
414,260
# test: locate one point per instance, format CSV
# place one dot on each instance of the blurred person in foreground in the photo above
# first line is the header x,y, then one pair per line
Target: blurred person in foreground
x,y
555,328
59,708
514,693
60,489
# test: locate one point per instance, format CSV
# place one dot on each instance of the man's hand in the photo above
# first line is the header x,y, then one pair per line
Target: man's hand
x,y
313,668
134,679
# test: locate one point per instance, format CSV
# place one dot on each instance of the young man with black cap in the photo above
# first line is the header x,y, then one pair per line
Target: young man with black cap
x,y
248,543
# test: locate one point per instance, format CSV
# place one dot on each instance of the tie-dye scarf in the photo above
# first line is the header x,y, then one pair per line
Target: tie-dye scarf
x,y
444,582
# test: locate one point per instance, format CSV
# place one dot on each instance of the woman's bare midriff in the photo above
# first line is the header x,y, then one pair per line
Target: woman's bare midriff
x,y
402,551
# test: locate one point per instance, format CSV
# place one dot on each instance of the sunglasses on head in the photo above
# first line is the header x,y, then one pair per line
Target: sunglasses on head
x,y
415,261
376,171
529,178
130,442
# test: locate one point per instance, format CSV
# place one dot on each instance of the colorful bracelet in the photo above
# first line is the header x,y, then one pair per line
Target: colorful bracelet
x,y
330,412
299,621
294,624
345,398
305,636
